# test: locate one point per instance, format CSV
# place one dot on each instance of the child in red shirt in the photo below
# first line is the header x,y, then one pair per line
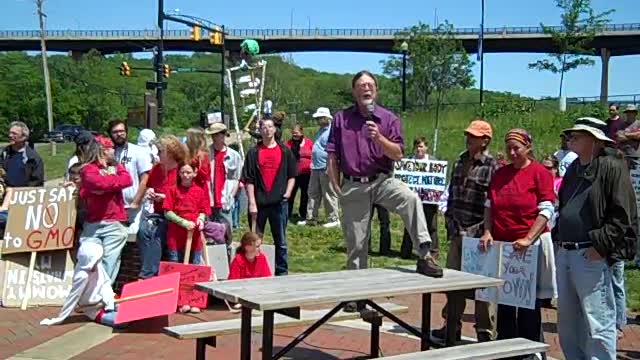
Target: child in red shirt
x,y
249,261
186,208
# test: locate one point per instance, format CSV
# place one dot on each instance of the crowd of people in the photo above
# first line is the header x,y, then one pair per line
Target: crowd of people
x,y
577,204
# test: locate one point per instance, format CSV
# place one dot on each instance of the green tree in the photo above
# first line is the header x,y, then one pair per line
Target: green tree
x,y
579,25
437,64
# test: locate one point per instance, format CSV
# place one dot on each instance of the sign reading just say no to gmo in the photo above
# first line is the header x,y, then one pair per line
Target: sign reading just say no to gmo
x,y
40,219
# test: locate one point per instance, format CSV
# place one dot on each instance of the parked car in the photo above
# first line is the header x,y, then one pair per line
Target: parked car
x,y
63,132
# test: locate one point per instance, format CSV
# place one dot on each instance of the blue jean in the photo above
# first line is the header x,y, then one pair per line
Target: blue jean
x,y
277,214
178,256
617,281
152,236
586,307
112,235
237,208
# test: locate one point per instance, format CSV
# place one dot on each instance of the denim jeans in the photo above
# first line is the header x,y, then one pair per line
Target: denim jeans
x,y
112,235
586,307
220,216
178,256
151,240
277,216
617,281
237,208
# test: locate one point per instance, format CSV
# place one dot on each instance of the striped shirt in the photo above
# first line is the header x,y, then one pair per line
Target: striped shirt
x,y
468,190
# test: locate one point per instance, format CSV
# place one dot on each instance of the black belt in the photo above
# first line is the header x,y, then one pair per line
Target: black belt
x,y
363,179
575,246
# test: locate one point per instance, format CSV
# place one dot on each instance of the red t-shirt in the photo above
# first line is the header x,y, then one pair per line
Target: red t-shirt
x,y
188,203
304,163
515,195
241,268
102,192
269,160
219,176
160,180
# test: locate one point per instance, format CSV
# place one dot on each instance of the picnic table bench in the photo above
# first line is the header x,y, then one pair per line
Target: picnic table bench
x,y
287,294
498,349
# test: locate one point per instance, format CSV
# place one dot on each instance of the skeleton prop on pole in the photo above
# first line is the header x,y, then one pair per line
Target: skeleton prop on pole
x,y
248,85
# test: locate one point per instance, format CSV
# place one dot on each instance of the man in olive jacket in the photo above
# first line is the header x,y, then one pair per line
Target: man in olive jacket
x,y
596,229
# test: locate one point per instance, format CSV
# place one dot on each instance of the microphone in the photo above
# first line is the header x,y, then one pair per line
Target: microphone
x,y
370,107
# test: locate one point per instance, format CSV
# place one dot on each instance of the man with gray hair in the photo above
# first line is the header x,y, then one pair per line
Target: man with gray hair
x,y
23,165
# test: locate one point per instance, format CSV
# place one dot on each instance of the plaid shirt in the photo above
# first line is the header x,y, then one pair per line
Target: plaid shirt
x,y
468,192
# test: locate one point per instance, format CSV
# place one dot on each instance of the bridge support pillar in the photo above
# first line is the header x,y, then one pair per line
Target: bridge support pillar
x,y
605,55
76,55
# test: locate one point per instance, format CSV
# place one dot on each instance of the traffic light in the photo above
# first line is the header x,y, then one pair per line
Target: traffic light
x,y
215,37
166,71
195,33
125,69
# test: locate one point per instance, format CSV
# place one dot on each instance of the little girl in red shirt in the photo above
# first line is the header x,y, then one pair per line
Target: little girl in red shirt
x,y
186,207
249,261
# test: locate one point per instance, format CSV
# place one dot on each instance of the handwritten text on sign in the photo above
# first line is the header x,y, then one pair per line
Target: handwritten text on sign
x,y
518,270
40,219
426,177
635,179
189,276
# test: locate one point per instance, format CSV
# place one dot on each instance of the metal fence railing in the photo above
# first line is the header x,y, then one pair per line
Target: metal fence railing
x,y
266,33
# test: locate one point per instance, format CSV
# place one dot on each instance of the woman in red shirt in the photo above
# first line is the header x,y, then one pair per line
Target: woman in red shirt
x,y
163,176
520,202
103,180
301,147
199,158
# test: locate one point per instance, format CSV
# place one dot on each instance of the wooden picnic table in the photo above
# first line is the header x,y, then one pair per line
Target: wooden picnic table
x,y
286,294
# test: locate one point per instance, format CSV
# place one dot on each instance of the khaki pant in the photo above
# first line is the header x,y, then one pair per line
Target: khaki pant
x,y
320,190
484,311
357,200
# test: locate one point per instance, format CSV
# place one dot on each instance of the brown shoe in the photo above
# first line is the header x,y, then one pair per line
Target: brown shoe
x,y
428,267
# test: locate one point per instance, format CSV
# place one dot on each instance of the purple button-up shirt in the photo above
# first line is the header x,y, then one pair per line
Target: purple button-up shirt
x,y
358,154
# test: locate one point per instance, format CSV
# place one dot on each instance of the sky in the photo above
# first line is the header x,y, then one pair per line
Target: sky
x,y
503,72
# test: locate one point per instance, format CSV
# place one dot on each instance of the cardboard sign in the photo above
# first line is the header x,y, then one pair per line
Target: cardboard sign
x,y
518,270
426,177
50,284
144,307
485,263
189,276
40,219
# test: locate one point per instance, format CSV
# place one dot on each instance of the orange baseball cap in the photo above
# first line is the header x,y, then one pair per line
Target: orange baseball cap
x,y
479,128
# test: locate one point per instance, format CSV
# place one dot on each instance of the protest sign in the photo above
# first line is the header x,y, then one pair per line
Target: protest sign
x,y
485,263
518,270
148,298
426,177
189,276
50,283
40,219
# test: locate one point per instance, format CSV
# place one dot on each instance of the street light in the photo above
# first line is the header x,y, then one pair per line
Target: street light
x,y
405,48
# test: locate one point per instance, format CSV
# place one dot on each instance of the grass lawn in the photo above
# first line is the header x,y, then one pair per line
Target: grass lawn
x,y
55,166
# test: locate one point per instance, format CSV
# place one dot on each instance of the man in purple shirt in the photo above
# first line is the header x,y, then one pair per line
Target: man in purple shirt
x,y
364,141
614,123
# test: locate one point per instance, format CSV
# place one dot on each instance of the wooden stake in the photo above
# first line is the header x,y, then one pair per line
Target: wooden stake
x,y
187,250
142,296
205,254
27,292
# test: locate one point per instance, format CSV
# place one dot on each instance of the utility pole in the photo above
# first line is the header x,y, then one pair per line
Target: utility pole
x,y
159,62
481,56
45,70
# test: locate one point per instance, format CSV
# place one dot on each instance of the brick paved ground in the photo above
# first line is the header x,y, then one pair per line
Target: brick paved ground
x,y
20,331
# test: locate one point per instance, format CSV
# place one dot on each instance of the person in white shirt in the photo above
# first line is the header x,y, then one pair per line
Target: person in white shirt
x,y
564,155
138,163
146,140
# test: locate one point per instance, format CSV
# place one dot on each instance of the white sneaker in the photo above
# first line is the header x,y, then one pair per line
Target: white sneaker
x,y
331,224
302,222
